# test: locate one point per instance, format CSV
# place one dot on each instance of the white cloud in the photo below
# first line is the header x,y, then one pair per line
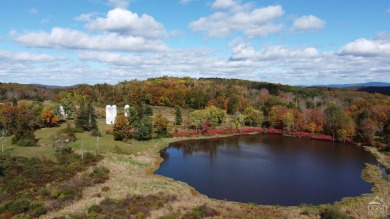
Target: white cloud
x,y
28,57
244,51
119,3
185,1
273,63
364,47
258,22
223,4
85,17
307,23
33,11
125,22
74,39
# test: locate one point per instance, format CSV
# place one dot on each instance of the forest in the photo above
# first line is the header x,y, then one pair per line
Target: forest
x,y
214,104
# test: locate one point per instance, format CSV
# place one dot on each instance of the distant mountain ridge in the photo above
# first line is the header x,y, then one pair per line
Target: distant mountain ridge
x,y
368,84
369,87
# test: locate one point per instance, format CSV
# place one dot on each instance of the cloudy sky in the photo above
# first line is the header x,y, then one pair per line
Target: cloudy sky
x,y
297,42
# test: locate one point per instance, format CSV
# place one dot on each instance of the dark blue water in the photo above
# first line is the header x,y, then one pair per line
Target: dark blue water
x,y
269,169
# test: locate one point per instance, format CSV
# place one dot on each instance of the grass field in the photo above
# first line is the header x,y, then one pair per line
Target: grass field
x,y
105,143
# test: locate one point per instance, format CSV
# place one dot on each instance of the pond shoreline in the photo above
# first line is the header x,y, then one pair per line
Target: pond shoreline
x,y
278,140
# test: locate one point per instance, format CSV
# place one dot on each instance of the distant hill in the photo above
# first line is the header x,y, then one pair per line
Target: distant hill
x,y
57,86
368,84
369,87
380,90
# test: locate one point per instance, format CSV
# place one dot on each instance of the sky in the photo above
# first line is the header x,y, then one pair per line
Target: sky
x,y
296,42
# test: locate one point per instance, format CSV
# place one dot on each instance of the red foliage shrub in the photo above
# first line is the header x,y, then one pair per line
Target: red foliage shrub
x,y
303,134
275,131
322,137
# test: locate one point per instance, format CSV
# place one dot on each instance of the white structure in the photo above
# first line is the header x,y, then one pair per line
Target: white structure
x,y
62,111
127,107
108,114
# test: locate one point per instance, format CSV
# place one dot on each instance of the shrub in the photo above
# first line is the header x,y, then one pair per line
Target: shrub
x,y
100,174
201,212
109,131
106,188
19,206
37,208
95,133
101,170
95,209
330,212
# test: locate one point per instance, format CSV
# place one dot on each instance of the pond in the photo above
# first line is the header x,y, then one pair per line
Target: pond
x,y
268,169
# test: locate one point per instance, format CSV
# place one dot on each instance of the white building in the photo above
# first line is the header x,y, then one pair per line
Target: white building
x,y
127,107
108,114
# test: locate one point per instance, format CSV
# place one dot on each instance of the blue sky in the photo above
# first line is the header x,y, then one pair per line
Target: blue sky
x,y
297,42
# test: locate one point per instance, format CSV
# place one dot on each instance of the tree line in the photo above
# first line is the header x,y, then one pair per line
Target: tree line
x,y
343,114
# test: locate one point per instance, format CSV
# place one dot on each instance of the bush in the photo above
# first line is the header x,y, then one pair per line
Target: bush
x,y
101,170
201,212
37,208
100,174
95,209
19,206
106,188
25,142
330,212
95,133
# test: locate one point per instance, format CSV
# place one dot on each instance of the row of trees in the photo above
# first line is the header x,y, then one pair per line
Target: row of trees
x,y
22,118
340,113
140,125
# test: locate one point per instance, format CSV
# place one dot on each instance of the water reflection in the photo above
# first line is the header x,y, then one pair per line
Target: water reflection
x,y
268,169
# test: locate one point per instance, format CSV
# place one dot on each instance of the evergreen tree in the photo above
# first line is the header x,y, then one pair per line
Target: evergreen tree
x,y
178,116
82,116
86,118
132,116
148,110
91,125
143,129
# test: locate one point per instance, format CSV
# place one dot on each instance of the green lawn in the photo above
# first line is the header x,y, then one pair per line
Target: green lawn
x,y
46,146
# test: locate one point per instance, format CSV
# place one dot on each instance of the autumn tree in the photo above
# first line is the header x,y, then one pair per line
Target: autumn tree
x,y
276,115
8,118
49,118
213,114
121,128
161,125
36,108
314,120
367,129
253,117
24,132
338,123
288,121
